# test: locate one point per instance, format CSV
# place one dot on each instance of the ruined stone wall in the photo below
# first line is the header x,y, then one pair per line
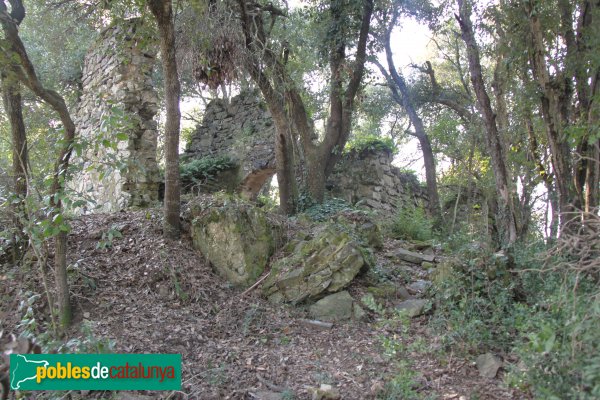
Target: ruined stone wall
x,y
369,178
118,98
244,131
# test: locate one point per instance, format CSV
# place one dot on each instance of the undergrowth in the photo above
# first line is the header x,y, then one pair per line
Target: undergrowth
x,y
201,170
548,318
412,223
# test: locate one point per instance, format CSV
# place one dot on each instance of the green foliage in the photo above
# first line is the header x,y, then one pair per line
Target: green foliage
x,y
29,327
201,170
559,342
402,385
475,311
391,346
370,143
322,211
107,238
412,223
369,301
549,317
88,342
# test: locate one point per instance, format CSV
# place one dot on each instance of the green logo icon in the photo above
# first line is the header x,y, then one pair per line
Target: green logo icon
x,y
95,371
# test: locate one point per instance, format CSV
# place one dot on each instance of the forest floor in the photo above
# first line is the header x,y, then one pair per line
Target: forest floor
x,y
151,295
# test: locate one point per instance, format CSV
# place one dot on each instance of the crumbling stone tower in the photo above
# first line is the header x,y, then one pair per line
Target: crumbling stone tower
x,y
118,101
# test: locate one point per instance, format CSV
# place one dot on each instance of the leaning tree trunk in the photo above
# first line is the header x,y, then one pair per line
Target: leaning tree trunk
x,y
506,210
25,73
396,82
163,13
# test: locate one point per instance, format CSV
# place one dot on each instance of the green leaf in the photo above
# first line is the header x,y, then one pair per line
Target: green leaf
x,y
58,219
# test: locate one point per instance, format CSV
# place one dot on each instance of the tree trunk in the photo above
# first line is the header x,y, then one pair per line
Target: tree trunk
x,y
268,71
274,91
163,13
549,104
506,210
396,81
25,72
62,285
11,96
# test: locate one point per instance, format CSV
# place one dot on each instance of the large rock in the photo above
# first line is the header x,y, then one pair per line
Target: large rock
x,y
336,307
412,307
410,256
236,238
315,266
488,365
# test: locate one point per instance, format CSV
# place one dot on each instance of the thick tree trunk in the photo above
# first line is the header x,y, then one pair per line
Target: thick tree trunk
x,y
341,102
568,199
274,91
506,210
284,159
315,177
11,96
163,13
269,72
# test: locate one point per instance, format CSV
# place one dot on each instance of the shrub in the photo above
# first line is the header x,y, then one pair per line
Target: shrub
x,y
370,143
201,170
549,317
412,223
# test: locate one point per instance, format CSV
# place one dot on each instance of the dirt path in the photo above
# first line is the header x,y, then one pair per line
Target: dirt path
x,y
153,296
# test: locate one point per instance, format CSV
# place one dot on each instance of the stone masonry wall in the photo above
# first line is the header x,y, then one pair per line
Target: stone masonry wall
x,y
244,131
118,97
369,178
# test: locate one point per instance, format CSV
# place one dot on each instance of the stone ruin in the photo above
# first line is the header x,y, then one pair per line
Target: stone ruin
x,y
243,131
118,97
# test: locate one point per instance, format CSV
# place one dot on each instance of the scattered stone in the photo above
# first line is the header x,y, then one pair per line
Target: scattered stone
x,y
335,307
322,265
377,388
420,246
372,234
237,239
412,307
488,365
358,312
419,286
409,256
427,265
267,395
316,324
325,392
389,291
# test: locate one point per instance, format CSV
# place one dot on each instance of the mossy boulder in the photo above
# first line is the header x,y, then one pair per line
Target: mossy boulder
x,y
315,266
237,239
336,307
